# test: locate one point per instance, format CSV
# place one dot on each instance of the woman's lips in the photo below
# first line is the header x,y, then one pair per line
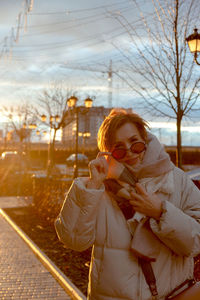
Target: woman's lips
x,y
131,161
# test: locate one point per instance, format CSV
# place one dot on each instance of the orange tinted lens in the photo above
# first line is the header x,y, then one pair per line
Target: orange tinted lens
x,y
119,153
138,147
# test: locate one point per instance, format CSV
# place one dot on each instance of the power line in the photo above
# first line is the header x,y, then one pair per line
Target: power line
x,y
92,19
78,41
80,10
14,36
85,41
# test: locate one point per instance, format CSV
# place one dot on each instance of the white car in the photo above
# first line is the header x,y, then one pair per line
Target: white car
x,y
9,155
82,164
12,159
82,159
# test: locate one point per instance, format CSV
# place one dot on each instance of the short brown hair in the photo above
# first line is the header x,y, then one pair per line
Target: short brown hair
x,y
116,119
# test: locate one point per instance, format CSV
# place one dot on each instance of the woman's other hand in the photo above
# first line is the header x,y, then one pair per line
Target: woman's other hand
x,y
98,169
148,204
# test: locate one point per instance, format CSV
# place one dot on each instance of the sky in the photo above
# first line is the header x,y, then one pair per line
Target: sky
x,y
76,43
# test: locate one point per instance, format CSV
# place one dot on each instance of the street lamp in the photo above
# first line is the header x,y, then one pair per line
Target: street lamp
x,y
32,126
72,104
193,41
43,118
88,102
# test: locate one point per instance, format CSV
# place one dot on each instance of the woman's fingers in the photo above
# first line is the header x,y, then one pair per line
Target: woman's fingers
x,y
98,167
148,204
136,200
140,190
103,154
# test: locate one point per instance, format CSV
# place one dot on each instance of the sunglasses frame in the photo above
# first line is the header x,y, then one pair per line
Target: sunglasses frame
x,y
125,150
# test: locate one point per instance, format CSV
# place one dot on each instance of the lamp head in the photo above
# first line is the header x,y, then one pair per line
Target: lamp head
x,y
32,126
88,102
71,102
43,118
51,119
57,118
193,41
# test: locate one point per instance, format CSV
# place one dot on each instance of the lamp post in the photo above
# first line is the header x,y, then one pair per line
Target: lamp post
x,y
71,103
193,41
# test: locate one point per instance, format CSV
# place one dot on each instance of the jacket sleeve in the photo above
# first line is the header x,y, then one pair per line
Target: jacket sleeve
x,y
75,225
179,227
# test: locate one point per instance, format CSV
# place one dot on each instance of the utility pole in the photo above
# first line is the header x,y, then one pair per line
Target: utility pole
x,y
109,72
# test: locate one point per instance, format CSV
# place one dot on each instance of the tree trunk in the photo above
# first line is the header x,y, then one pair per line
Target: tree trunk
x,y
51,150
179,146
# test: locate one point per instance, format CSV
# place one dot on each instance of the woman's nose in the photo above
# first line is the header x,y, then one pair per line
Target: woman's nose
x,y
129,153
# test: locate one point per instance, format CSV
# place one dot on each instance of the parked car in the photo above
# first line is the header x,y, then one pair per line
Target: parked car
x,y
9,155
12,159
82,159
82,164
12,164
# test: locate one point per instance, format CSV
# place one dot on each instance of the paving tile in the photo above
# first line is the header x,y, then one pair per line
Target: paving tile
x,y
22,275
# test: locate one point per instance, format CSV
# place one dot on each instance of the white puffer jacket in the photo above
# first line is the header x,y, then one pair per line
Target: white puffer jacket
x,y
91,218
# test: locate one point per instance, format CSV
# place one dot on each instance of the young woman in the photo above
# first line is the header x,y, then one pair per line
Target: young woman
x,y
137,210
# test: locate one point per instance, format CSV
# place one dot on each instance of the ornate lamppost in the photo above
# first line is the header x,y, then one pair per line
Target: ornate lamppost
x,y
193,41
72,104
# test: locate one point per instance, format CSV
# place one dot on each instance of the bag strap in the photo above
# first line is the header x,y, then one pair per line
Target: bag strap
x,y
149,276
182,287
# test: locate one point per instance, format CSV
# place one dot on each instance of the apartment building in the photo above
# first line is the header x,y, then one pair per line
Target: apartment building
x,y
89,121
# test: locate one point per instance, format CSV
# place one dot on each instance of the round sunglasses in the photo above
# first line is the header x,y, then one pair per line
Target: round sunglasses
x,y
137,148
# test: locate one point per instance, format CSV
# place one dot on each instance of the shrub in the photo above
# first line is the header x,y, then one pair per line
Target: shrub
x,y
48,196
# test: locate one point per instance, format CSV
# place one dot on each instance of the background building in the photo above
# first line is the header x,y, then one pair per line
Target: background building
x,y
88,126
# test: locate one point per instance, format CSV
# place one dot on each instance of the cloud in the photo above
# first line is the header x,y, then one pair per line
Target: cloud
x,y
74,33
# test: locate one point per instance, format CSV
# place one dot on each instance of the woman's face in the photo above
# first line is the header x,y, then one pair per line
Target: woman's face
x,y
125,136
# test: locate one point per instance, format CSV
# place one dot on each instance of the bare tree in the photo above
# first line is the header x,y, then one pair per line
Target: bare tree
x,y
156,65
20,120
52,106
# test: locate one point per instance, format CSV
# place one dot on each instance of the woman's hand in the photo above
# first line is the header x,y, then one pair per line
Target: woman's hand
x,y
148,204
98,169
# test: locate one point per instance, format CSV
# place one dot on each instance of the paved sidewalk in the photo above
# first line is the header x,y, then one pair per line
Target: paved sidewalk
x,y
22,275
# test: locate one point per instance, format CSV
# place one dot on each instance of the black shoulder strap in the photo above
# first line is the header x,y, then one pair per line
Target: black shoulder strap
x,y
149,276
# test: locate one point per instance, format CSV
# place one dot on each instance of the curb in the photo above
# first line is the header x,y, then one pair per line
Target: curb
x,y
63,280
